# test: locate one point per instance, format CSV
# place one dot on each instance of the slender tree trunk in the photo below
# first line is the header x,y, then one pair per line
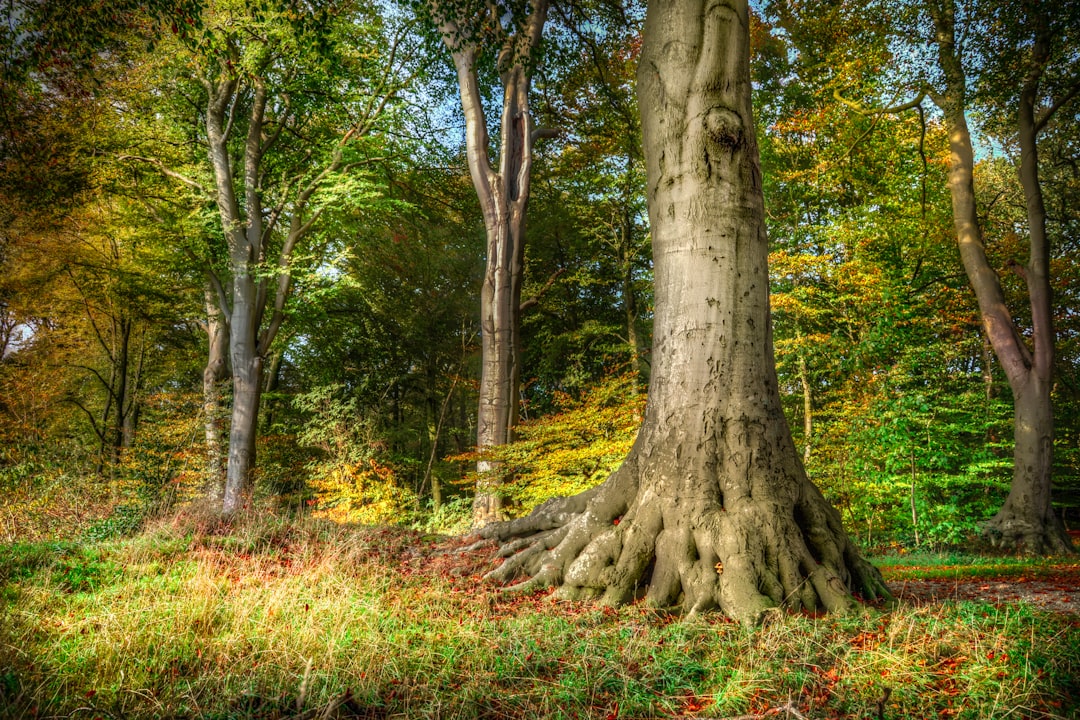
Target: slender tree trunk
x,y
122,360
1026,520
499,343
214,373
808,399
504,197
247,384
243,231
630,304
712,507
273,380
131,425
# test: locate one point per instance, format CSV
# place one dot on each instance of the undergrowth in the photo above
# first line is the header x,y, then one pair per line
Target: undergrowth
x,y
273,618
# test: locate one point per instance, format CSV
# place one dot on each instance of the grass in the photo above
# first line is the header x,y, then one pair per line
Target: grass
x,y
960,566
273,618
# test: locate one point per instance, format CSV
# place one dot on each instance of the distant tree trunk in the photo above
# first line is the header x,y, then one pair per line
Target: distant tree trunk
x,y
712,507
273,381
214,373
504,196
122,340
808,399
1026,520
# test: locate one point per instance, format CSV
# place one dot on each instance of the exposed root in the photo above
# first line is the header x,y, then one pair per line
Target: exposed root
x,y
1008,530
617,544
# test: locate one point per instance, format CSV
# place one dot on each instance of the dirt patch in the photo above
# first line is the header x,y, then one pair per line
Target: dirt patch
x,y
1054,588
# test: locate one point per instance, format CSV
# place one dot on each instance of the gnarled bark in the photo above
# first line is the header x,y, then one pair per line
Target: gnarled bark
x,y
712,507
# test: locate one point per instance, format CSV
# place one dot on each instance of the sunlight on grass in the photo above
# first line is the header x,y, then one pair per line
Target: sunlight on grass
x,y
197,620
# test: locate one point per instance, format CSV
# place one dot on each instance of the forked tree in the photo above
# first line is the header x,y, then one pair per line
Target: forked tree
x,y
712,506
514,30
1026,519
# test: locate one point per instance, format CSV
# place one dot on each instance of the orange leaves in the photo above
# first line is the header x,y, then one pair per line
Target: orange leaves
x,y
575,448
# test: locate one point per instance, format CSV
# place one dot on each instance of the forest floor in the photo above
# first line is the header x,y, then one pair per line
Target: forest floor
x,y
278,619
918,579
1049,586
1054,588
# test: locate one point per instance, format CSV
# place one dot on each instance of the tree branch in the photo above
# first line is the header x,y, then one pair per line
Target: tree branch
x,y
1041,122
862,110
535,299
167,172
544,133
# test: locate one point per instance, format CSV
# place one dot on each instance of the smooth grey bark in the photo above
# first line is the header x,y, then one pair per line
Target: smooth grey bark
x,y
215,372
712,506
255,304
1026,520
504,197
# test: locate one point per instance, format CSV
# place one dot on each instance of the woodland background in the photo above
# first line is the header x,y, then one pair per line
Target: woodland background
x,y
368,406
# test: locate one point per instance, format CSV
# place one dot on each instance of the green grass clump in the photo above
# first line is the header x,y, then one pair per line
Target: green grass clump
x,y
275,618
930,566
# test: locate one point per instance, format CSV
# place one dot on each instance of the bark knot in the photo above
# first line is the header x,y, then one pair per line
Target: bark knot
x,y
724,127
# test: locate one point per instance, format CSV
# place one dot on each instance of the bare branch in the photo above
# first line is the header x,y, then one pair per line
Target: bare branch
x,y
863,110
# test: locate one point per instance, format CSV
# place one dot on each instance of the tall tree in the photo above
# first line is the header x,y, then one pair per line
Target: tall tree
x,y
515,31
287,111
712,506
1026,520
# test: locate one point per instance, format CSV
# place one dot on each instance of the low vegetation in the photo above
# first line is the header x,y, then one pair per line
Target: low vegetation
x,y
286,618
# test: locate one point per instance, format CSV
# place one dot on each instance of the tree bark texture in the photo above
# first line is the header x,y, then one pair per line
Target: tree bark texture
x,y
1026,520
712,507
504,197
214,373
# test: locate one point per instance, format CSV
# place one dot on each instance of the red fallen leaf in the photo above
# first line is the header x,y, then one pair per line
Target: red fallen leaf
x,y
695,704
614,714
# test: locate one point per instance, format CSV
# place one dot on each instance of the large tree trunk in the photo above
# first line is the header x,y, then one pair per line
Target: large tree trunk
x,y
1026,520
712,507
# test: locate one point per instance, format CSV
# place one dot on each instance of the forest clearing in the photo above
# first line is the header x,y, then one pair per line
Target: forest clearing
x,y
539,359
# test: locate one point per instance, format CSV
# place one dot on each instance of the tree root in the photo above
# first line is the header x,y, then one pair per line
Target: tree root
x,y
1009,531
617,544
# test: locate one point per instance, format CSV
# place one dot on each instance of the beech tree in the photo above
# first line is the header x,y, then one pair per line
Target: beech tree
x,y
1026,520
467,27
287,115
712,506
